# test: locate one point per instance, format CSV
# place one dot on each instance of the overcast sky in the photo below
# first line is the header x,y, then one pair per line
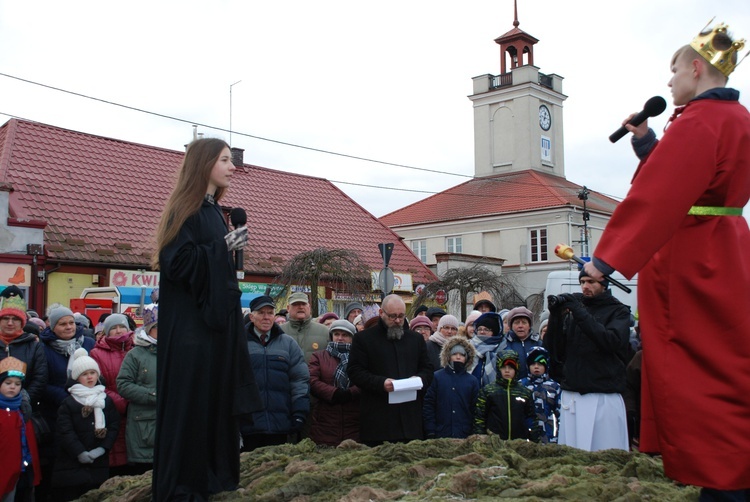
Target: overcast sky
x,y
383,80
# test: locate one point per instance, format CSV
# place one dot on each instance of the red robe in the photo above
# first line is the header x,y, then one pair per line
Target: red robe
x,y
694,289
10,450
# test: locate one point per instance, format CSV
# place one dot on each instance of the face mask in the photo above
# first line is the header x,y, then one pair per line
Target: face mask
x,y
457,366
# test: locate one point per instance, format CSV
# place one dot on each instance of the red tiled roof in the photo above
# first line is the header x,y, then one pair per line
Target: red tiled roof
x,y
495,195
102,198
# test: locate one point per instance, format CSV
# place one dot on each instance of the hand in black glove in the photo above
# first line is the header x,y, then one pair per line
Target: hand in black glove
x,y
341,396
569,301
298,422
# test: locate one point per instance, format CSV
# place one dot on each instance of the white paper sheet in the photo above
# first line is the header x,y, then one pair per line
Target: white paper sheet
x,y
404,390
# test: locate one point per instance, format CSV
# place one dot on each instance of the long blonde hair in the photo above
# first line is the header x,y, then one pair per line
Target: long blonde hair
x,y
189,191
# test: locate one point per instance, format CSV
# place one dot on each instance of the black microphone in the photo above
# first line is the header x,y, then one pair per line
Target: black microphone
x,y
238,217
652,108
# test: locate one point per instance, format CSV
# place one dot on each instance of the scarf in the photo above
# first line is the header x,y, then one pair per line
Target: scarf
x,y
144,336
340,351
437,337
119,343
9,338
67,348
13,404
91,397
486,355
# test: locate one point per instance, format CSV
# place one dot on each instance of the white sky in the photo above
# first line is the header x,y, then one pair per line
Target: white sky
x,y
383,80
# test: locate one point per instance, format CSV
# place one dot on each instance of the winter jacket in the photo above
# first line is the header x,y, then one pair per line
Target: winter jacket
x,y
136,382
310,335
75,434
56,390
283,379
28,349
522,347
110,352
589,344
11,452
506,408
546,393
331,421
449,403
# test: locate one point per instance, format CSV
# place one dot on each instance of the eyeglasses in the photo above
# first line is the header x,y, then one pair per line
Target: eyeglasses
x,y
484,331
393,317
10,318
450,328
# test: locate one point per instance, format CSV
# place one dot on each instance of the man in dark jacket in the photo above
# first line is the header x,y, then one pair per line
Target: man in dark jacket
x,y
380,355
282,376
588,339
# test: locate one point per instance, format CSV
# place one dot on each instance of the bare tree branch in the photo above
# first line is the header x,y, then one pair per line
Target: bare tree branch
x,y
339,269
474,279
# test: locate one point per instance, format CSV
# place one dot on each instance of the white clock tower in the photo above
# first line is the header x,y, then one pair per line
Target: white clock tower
x,y
518,114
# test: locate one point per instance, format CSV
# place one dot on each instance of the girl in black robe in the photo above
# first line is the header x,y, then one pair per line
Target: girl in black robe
x,y
204,378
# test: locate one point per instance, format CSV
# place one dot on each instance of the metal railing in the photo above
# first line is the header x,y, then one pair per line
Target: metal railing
x,y
506,79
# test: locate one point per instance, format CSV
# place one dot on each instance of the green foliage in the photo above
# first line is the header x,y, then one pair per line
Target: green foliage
x,y
478,468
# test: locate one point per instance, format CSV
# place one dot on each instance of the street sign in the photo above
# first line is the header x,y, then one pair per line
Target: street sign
x,y
386,250
386,280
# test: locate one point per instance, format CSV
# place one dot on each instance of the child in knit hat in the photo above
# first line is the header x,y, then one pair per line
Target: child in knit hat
x,y
505,407
448,410
18,451
546,393
87,426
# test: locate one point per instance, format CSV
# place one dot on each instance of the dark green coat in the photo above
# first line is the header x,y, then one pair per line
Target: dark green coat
x,y
136,382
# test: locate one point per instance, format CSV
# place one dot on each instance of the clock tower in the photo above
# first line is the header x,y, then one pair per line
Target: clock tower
x,y
518,114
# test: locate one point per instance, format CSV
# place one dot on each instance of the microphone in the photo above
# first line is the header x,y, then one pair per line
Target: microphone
x,y
652,108
238,217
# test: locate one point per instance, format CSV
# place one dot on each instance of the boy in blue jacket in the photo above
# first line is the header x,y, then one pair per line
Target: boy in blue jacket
x,y
546,393
448,408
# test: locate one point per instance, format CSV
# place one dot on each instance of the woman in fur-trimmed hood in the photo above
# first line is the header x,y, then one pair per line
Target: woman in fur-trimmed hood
x,y
448,410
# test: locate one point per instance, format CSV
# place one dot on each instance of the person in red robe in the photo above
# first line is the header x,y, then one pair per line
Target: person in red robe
x,y
681,228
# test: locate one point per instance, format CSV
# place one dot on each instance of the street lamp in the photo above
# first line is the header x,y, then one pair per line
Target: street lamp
x,y
230,111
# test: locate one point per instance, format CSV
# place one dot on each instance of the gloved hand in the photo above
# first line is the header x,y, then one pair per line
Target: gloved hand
x,y
97,452
298,422
569,301
341,396
85,458
236,239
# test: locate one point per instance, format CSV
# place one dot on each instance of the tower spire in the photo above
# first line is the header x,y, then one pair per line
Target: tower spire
x,y
515,14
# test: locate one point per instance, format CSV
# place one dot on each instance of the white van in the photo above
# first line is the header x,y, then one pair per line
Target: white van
x,y
566,281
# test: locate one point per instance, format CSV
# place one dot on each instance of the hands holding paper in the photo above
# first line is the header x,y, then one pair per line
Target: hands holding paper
x,y
403,390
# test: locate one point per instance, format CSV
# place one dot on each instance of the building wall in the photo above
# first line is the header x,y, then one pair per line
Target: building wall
x,y
508,238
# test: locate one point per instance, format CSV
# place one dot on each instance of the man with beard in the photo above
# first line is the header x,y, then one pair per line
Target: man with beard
x,y
379,355
588,341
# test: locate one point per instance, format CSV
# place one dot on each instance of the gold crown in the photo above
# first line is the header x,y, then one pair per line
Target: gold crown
x,y
721,59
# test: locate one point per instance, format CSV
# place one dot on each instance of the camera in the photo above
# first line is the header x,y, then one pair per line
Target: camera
x,y
555,301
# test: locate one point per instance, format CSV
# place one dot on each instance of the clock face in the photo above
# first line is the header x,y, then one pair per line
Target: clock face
x,y
545,118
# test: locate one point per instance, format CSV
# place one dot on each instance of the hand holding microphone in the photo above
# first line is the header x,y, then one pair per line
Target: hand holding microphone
x,y
653,107
237,238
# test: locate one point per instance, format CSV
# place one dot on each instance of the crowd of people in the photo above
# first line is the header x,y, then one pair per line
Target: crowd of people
x,y
86,399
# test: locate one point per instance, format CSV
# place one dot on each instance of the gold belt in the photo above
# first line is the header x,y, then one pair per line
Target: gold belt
x,y
715,211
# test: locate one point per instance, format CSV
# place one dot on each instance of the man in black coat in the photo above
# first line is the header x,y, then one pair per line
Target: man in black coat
x,y
588,340
379,355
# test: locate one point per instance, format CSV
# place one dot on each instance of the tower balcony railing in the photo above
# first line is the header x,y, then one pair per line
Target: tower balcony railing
x,y
506,79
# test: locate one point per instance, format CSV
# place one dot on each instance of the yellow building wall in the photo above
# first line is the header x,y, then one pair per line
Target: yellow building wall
x,y
61,287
